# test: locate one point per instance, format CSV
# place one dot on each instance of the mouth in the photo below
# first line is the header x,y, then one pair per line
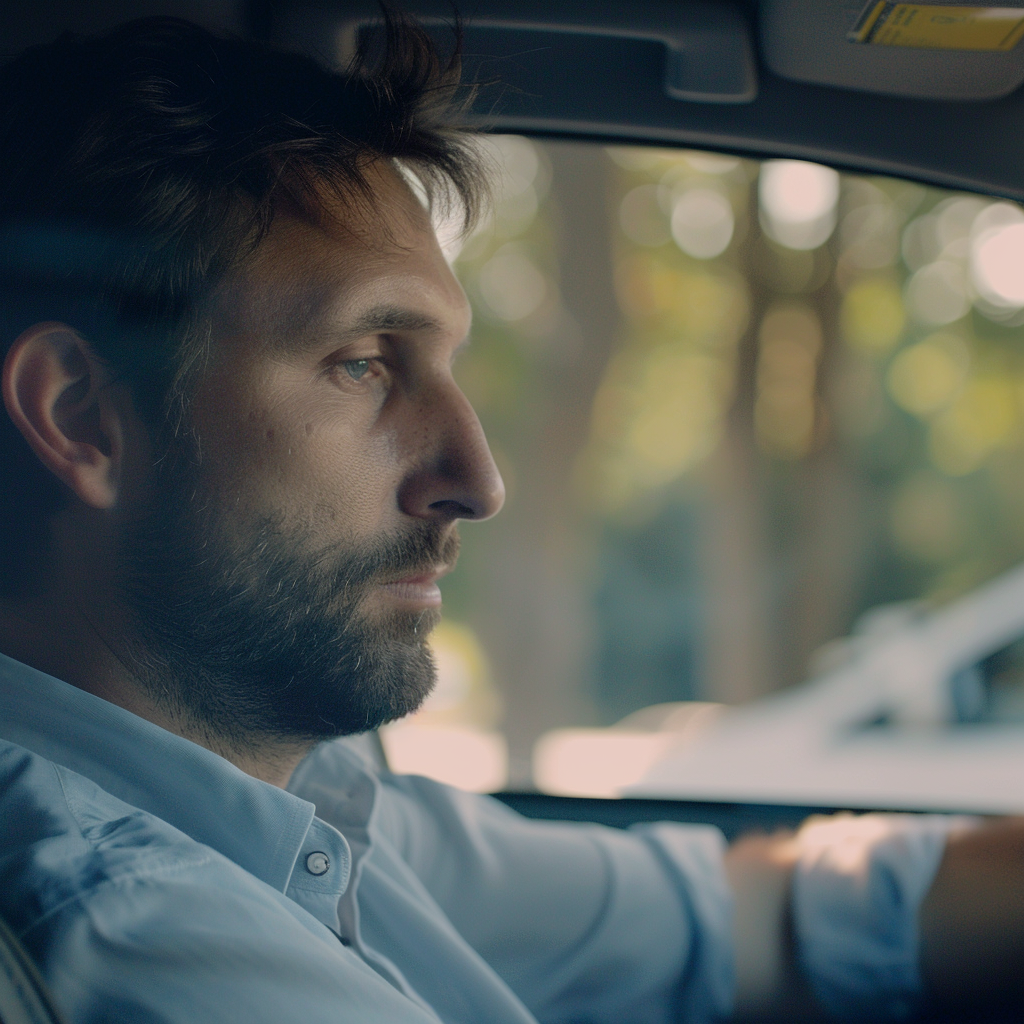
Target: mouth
x,y
419,589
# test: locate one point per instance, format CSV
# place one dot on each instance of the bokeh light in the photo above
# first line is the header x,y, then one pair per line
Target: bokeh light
x,y
641,217
925,377
868,237
798,202
920,243
702,222
937,294
872,315
511,284
982,418
712,163
520,181
954,218
660,415
997,264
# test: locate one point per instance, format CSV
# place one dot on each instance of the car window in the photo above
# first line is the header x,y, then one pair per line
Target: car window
x,y
742,409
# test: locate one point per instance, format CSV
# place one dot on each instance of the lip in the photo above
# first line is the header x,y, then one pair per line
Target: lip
x,y
421,589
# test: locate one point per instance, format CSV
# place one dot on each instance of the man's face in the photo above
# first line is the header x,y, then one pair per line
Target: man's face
x,y
284,574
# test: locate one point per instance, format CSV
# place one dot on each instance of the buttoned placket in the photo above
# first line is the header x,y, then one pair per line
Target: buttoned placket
x,y
323,868
350,799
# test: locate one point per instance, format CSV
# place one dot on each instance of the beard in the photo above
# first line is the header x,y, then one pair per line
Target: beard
x,y
261,637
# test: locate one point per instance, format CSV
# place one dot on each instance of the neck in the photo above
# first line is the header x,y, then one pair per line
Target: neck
x,y
72,636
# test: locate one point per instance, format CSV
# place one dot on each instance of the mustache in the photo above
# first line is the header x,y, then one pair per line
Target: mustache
x,y
417,553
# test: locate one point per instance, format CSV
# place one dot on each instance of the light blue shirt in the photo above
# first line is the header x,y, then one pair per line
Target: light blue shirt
x,y
155,882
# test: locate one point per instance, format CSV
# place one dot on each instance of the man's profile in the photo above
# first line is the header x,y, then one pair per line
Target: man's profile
x,y
234,457
285,615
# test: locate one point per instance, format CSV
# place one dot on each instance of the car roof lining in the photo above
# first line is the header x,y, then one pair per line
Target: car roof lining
x,y
952,144
612,90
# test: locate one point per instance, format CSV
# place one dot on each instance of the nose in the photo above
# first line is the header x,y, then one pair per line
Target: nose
x,y
454,475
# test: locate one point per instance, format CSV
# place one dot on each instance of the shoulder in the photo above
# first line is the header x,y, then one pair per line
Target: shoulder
x,y
130,919
63,838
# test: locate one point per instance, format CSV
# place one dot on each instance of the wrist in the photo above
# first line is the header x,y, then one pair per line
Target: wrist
x,y
760,872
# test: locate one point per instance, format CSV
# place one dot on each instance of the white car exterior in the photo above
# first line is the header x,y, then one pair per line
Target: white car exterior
x,y
814,744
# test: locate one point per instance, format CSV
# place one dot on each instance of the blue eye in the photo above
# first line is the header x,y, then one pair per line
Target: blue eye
x,y
356,368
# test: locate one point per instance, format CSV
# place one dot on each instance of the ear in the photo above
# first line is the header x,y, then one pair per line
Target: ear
x,y
56,393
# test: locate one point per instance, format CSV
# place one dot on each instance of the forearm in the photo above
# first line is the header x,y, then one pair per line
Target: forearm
x,y
834,910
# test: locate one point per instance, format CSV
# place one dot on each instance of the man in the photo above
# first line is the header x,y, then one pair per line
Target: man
x,y
234,457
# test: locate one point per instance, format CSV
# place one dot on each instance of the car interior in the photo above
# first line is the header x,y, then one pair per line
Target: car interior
x,y
748,320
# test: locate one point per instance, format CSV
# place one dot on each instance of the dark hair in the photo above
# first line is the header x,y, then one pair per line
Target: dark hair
x,y
136,169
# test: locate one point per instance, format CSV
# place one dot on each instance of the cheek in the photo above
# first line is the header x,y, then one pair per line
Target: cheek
x,y
343,479
278,447
317,469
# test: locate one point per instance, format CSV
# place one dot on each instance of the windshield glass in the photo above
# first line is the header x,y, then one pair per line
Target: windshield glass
x,y
742,409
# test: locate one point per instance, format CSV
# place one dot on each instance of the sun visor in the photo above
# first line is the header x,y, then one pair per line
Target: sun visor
x,y
925,50
709,53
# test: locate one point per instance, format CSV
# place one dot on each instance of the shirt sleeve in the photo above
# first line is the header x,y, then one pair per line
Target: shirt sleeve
x,y
583,922
857,890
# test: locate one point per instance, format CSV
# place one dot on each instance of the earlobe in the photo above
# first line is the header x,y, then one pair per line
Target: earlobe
x,y
54,390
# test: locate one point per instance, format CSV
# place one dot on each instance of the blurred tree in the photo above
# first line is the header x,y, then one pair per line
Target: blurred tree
x,y
737,404
533,614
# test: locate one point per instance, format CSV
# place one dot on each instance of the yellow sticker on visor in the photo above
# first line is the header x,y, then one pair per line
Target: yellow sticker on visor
x,y
937,27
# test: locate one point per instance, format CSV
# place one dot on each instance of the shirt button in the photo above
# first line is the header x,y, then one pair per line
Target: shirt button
x,y
318,863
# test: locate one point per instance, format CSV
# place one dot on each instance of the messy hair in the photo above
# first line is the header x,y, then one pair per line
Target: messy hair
x,y
139,168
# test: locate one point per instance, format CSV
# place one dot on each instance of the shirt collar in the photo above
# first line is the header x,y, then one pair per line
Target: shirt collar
x,y
261,828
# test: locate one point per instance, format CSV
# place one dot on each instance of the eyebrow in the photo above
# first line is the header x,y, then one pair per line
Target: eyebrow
x,y
308,318
388,319
383,319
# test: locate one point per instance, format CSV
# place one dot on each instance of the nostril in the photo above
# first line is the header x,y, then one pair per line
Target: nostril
x,y
454,509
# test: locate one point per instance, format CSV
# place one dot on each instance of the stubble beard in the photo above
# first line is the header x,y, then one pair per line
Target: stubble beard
x,y
264,638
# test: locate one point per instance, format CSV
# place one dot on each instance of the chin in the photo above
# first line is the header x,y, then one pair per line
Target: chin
x,y
412,624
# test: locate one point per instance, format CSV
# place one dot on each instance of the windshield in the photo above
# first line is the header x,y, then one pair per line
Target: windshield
x,y
742,409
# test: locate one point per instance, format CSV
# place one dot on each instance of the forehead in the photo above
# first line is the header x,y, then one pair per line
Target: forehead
x,y
310,273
